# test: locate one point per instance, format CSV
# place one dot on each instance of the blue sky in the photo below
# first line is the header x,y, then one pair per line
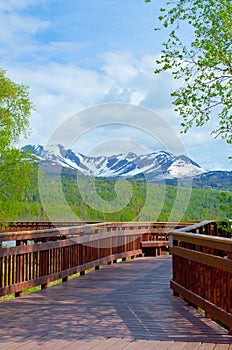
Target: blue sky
x,y
76,54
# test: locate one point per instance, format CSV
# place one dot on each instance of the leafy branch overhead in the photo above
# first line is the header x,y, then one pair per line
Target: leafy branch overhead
x,y
198,52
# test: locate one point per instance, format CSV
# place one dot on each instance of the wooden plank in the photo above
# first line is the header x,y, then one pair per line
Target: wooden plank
x,y
119,345
150,345
222,347
177,346
84,344
194,226
145,244
55,343
14,344
90,239
214,242
109,343
116,344
29,345
32,248
134,345
18,287
163,345
130,301
191,346
206,259
207,346
56,230
61,343
196,300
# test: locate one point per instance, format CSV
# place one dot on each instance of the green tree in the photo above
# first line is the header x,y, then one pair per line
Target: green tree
x,y
198,52
16,171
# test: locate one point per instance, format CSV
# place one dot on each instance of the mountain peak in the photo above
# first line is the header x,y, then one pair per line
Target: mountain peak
x,y
156,165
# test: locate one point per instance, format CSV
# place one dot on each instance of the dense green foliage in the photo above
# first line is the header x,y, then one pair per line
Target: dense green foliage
x,y
133,200
200,60
15,169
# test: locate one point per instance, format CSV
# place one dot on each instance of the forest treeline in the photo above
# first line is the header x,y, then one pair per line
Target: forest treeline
x,y
93,199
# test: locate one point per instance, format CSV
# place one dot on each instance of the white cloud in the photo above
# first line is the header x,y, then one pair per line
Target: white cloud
x,y
11,5
61,90
120,66
16,41
14,25
18,31
136,98
58,91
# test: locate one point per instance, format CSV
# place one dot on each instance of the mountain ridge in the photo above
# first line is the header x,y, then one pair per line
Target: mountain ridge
x,y
124,165
161,166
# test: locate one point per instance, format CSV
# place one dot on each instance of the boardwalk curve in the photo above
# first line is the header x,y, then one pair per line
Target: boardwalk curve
x,y
119,306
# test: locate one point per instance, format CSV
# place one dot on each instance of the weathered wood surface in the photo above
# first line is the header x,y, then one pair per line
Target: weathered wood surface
x,y
70,343
46,230
42,256
202,272
41,225
122,306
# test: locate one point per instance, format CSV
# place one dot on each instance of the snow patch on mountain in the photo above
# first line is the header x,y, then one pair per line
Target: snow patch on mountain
x,y
183,166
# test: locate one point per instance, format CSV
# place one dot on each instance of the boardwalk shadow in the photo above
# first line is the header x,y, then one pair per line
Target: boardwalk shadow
x,y
129,300
150,311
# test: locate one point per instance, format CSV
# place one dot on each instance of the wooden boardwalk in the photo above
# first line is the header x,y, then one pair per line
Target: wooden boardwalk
x,y
122,306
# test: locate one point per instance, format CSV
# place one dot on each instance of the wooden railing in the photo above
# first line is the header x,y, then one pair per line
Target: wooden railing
x,y
14,226
202,257
42,256
202,269
23,232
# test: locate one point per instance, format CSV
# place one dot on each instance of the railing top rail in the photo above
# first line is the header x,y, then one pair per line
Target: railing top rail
x,y
194,226
199,237
53,232
59,232
37,223
81,228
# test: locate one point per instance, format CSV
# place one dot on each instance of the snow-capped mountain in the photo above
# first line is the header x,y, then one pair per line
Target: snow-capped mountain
x,y
157,165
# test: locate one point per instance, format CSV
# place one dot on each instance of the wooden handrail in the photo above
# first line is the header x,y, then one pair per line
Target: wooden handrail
x,y
23,267
42,256
202,261
38,225
202,269
195,226
215,242
59,231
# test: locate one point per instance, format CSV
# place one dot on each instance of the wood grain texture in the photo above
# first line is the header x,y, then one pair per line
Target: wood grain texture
x,y
121,306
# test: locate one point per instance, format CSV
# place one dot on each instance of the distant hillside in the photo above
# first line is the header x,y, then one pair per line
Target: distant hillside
x,y
98,199
214,179
160,167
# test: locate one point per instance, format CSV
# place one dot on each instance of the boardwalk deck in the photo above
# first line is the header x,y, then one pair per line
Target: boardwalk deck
x,y
121,306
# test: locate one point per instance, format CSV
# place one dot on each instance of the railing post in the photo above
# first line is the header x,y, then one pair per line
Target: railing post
x,y
208,315
44,268
19,268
